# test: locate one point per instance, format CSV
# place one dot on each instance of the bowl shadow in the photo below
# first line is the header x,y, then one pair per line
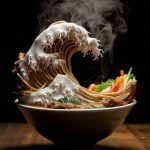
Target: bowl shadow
x,y
60,147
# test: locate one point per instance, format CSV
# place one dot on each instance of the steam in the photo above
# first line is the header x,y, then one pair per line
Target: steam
x,y
102,18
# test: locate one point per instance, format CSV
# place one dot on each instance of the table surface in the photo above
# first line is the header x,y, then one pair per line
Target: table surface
x,y
21,136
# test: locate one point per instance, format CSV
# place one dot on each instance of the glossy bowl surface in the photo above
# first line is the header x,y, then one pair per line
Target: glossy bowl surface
x,y
75,125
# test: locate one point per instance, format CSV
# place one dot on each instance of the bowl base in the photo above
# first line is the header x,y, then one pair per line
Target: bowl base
x,y
75,146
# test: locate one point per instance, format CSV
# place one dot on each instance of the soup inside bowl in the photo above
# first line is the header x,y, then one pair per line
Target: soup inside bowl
x,y
75,126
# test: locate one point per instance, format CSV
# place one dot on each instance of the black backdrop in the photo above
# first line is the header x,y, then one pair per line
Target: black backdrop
x,y
19,27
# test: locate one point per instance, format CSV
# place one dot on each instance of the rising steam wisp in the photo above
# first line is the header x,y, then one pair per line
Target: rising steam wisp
x,y
102,18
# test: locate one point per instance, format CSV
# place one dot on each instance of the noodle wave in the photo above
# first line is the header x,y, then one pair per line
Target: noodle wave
x,y
51,55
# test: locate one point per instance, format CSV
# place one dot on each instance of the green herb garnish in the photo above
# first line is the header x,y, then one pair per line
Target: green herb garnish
x,y
69,100
103,85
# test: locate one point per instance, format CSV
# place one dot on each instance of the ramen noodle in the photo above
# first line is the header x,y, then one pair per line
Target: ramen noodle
x,y
46,74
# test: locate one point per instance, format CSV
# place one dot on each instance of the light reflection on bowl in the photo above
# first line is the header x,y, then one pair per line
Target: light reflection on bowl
x,y
75,126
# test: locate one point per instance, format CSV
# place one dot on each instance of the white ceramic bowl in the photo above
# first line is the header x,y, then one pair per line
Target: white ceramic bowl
x,y
76,126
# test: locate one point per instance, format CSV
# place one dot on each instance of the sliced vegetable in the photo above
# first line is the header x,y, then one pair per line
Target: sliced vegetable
x,y
128,77
118,84
114,87
92,87
121,72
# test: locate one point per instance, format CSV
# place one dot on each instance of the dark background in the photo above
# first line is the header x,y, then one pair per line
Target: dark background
x,y
19,28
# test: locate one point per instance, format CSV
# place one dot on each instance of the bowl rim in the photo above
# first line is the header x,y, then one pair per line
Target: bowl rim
x,y
76,110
